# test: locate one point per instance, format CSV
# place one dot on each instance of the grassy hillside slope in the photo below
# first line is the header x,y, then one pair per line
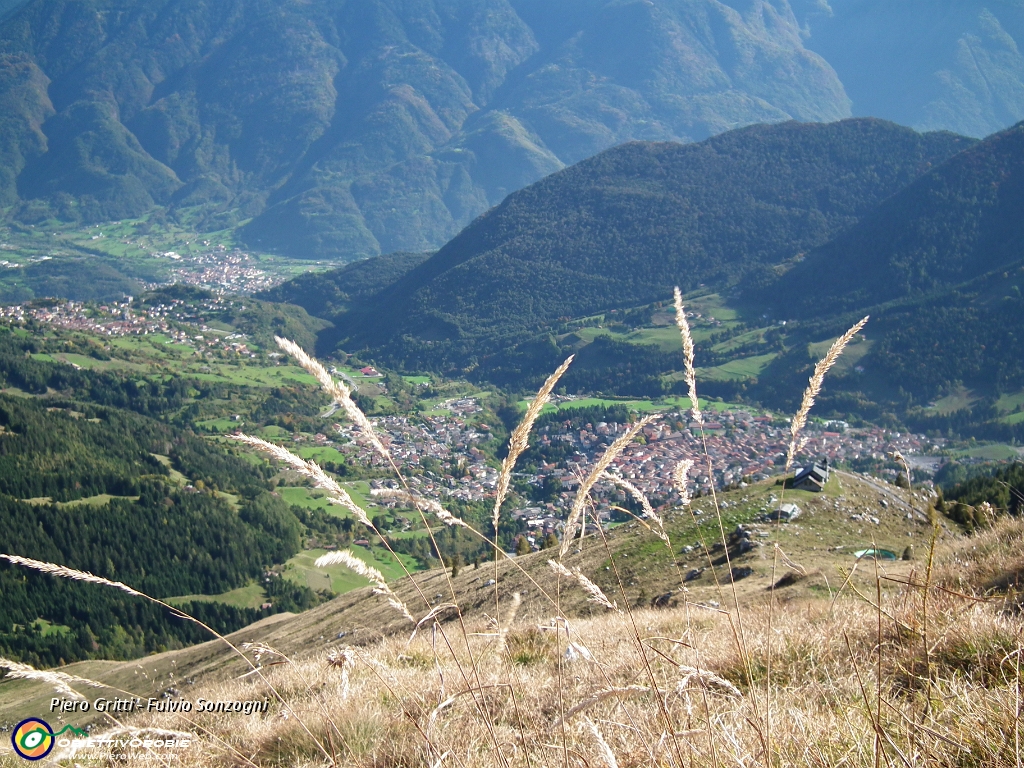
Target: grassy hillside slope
x,y
646,567
803,661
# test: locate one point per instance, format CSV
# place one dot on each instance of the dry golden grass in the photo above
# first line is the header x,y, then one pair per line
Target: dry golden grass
x,y
991,561
847,689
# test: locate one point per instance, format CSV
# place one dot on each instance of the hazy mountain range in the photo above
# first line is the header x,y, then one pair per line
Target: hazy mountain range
x,y
346,129
930,64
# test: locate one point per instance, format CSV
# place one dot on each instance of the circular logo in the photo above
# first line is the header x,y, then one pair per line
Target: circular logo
x,y
33,739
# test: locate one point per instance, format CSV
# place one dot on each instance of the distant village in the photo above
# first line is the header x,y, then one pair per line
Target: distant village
x,y
219,270
123,318
441,455
743,447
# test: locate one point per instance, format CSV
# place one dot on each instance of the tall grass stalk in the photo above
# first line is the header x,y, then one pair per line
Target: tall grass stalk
x,y
814,387
811,393
517,443
380,586
691,380
60,681
341,395
641,650
583,493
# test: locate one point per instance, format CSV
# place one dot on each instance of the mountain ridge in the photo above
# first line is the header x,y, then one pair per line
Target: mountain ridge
x,y
938,266
932,258
345,130
950,65
623,228
951,226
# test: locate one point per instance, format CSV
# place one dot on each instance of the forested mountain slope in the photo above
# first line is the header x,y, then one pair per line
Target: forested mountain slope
x,y
324,294
352,128
956,223
940,266
126,497
347,129
623,228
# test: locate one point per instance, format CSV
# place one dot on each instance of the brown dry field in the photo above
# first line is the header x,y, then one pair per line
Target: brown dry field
x,y
885,664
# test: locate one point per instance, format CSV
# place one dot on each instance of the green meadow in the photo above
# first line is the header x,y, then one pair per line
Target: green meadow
x,y
302,570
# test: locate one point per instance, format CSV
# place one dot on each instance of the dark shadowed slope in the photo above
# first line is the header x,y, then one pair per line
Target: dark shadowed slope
x,y
940,266
954,224
324,294
622,228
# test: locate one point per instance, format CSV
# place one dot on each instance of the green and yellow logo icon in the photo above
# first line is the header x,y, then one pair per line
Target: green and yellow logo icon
x,y
33,739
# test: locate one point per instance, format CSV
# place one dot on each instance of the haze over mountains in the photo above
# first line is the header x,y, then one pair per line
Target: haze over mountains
x,y
6,6
930,64
349,129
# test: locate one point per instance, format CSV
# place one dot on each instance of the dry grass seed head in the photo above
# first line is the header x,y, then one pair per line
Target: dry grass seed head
x,y
680,478
814,387
60,681
64,572
580,501
421,503
594,592
601,696
259,650
342,659
519,440
708,680
336,494
644,502
688,356
338,392
380,586
602,746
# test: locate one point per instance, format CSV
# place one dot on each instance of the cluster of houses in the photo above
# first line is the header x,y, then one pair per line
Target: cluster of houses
x,y
445,444
114,319
742,446
221,271
124,318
